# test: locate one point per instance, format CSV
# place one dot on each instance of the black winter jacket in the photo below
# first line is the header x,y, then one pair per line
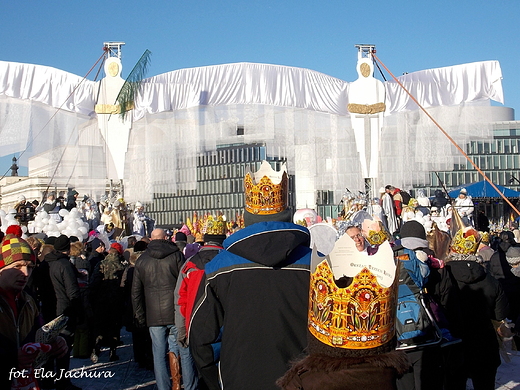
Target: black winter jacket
x,y
472,299
63,275
155,277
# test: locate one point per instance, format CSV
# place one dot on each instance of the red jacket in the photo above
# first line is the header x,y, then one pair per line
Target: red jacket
x,y
193,272
188,291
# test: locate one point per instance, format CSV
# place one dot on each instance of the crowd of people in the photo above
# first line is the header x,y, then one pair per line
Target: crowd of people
x,y
245,305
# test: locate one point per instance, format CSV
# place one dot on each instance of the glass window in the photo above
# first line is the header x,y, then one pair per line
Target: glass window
x,y
482,162
494,177
470,148
447,180
434,180
501,178
516,161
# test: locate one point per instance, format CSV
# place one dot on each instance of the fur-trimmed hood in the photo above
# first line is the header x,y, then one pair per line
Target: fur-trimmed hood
x,y
361,368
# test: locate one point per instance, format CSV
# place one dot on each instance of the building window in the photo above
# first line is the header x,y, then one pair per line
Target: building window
x,y
507,144
240,130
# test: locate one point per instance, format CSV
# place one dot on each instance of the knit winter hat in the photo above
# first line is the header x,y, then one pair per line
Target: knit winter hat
x,y
50,240
218,238
140,246
117,246
413,229
513,255
96,243
15,249
62,243
15,230
191,249
180,236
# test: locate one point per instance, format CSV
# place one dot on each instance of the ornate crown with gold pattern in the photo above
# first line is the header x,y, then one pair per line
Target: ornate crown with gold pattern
x,y
266,190
215,226
465,241
374,232
361,315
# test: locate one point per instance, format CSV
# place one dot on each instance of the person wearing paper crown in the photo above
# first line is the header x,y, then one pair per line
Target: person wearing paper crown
x,y
351,329
415,337
256,293
192,274
471,298
18,311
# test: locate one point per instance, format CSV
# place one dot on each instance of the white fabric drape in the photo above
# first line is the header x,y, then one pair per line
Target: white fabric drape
x,y
249,83
299,114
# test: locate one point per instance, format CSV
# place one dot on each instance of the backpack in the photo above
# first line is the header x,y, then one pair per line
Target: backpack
x,y
406,196
415,323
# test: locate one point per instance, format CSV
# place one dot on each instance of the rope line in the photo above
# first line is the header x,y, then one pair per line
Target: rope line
x,y
447,135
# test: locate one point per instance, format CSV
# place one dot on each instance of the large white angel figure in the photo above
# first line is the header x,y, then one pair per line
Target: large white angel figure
x,y
366,106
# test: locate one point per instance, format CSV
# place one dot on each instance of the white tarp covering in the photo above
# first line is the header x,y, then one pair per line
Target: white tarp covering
x,y
300,114
249,83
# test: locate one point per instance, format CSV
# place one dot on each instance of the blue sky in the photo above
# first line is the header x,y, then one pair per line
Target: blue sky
x,y
319,35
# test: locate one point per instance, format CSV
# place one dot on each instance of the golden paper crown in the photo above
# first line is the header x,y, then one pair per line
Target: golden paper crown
x,y
194,224
361,315
465,241
375,232
215,226
485,237
237,224
266,190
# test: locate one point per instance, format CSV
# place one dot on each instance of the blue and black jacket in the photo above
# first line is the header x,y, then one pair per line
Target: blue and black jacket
x,y
252,313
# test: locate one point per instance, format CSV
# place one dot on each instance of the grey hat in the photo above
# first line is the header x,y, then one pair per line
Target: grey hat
x,y
513,255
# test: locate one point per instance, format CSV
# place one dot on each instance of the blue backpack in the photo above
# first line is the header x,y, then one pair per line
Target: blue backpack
x,y
415,324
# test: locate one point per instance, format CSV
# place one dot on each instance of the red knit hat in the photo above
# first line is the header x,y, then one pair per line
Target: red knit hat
x,y
117,246
15,230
